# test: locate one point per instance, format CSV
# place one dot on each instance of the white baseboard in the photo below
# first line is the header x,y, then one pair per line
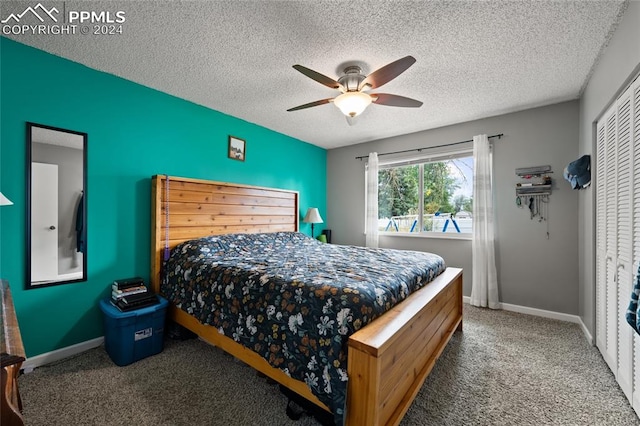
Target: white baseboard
x,y
586,332
542,313
46,358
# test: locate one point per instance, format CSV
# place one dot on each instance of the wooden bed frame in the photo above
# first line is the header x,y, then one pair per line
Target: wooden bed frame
x,y
388,360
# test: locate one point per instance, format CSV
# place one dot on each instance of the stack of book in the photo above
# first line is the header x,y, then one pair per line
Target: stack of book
x,y
131,293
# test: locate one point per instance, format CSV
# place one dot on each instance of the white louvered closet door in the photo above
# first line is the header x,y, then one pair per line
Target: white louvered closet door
x,y
618,237
601,241
635,219
623,243
605,239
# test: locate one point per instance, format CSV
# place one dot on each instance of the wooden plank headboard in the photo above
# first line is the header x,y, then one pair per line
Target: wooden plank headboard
x,y
198,208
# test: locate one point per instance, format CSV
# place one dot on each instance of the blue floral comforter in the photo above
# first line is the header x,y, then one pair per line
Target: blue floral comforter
x,y
293,299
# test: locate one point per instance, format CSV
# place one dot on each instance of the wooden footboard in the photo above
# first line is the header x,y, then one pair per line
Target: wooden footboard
x,y
388,360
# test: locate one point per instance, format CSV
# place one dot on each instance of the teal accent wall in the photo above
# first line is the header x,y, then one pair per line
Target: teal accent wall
x,y
134,133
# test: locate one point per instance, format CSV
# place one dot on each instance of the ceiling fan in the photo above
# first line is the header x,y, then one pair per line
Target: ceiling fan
x,y
353,99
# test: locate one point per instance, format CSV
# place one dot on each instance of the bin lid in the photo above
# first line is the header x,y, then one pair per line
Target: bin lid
x,y
109,309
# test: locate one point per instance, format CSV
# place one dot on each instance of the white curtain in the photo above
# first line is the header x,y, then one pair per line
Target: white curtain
x,y
372,201
484,288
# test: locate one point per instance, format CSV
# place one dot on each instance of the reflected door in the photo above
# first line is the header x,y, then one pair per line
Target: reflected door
x,y
44,222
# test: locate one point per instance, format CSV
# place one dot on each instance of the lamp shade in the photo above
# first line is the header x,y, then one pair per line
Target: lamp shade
x,y
4,201
352,103
312,216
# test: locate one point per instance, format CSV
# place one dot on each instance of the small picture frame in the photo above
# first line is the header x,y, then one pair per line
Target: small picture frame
x,y
237,148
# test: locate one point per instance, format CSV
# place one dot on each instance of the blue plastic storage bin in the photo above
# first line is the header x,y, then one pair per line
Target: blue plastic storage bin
x,y
133,335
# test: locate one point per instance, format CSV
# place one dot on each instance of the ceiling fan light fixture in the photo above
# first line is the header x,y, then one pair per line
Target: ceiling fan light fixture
x,y
352,103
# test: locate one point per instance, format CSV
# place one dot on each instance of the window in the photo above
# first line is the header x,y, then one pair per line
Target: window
x,y
427,196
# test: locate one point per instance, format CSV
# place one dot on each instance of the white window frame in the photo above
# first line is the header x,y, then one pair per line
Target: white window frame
x,y
420,160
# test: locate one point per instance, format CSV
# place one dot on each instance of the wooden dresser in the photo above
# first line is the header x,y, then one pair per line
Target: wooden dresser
x,y
11,356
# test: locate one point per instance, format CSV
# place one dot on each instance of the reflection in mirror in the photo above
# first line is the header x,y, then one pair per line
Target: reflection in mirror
x,y
56,206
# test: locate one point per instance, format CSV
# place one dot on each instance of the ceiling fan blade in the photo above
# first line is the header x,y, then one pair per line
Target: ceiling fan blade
x,y
311,104
395,100
320,78
387,73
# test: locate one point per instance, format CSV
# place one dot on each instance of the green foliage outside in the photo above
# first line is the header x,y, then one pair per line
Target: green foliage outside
x,y
398,190
439,187
462,203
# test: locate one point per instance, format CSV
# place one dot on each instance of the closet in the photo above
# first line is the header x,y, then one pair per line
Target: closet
x,y
617,201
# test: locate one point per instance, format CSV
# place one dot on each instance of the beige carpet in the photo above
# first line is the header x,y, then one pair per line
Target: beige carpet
x,y
504,369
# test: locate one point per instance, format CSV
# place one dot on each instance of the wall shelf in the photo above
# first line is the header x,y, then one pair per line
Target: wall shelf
x,y
533,191
535,171
535,180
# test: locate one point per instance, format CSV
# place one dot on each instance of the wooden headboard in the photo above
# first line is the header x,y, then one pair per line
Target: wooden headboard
x,y
198,208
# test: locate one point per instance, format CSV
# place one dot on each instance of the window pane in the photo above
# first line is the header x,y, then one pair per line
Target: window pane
x,y
398,199
445,198
448,196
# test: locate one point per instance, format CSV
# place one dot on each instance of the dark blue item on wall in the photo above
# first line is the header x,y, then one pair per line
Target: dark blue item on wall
x,y
578,172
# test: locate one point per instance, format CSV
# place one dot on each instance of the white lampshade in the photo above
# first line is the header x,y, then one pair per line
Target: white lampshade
x,y
312,216
352,103
4,201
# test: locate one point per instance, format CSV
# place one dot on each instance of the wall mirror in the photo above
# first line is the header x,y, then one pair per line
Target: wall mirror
x,y
56,206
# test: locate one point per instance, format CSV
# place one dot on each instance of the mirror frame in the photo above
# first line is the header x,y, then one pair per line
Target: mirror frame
x,y
85,137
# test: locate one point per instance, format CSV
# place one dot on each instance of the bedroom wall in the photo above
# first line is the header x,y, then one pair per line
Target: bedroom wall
x,y
619,61
532,271
134,133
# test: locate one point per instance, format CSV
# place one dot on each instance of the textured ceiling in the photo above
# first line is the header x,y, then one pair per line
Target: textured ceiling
x,y
475,59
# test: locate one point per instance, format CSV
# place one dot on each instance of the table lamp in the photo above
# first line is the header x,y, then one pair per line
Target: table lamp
x,y
312,217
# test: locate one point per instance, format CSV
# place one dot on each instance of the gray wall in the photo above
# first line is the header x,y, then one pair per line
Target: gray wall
x,y
70,172
618,62
532,271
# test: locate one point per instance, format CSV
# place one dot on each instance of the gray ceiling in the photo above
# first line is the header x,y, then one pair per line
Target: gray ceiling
x,y
474,58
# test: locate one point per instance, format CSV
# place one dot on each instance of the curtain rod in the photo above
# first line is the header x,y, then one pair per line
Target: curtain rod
x,y
429,147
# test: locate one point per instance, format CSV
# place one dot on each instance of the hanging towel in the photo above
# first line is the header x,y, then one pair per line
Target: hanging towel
x,y
80,225
633,313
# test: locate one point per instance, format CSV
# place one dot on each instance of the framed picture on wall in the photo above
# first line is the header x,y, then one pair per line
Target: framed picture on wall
x,y
237,148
